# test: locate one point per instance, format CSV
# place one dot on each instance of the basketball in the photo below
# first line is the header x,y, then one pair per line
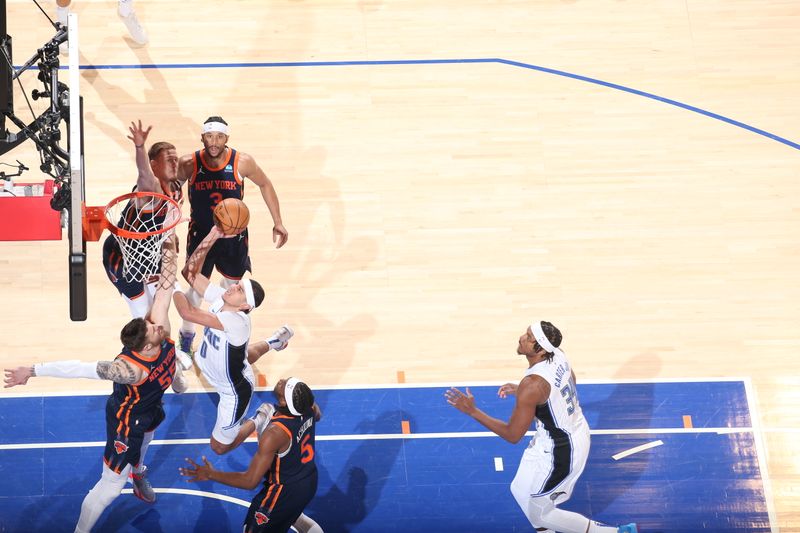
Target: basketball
x,y
231,215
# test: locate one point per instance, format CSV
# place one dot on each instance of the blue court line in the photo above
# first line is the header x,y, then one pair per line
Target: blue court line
x,y
546,70
406,484
607,406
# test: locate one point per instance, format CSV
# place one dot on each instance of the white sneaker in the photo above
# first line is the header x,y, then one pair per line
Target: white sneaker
x,y
184,359
134,28
280,339
263,416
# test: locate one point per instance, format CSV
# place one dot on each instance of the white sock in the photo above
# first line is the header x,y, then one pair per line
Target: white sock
x,y
102,494
304,524
125,8
148,437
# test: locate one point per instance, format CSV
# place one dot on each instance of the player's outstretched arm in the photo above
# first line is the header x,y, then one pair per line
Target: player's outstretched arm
x,y
532,391
118,371
167,280
191,271
250,169
185,168
194,314
270,442
146,182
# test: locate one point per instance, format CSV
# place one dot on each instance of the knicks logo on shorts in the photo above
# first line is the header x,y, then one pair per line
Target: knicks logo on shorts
x,y
120,447
261,518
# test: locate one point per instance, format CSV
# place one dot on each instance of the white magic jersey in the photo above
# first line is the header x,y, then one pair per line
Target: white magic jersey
x,y
222,356
561,416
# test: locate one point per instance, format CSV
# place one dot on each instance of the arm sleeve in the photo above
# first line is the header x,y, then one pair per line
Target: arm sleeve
x,y
67,369
237,327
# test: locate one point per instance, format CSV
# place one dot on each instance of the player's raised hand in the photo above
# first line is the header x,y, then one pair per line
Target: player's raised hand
x,y
17,376
279,235
509,389
464,402
197,472
138,135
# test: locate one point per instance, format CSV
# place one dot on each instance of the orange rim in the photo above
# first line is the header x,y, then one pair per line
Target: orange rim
x,y
116,230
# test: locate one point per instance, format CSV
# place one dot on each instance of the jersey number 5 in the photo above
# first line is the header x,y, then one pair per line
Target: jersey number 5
x,y
306,450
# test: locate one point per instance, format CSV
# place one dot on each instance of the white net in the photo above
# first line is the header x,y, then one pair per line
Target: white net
x,y
140,226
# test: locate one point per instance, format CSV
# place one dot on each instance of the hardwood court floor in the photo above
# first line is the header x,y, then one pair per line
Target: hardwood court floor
x,y
434,209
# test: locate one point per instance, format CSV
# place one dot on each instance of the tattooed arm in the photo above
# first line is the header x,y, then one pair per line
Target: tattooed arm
x,y
118,371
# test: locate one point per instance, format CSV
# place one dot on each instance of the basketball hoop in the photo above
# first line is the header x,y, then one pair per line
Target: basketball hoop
x,y
140,222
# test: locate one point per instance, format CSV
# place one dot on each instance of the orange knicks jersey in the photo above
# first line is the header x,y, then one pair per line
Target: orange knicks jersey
x,y
297,461
208,186
145,395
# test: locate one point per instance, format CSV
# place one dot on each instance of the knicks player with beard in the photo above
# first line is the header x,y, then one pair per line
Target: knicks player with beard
x,y
145,368
284,464
213,174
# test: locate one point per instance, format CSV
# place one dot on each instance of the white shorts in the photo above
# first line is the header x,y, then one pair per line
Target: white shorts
x,y
234,401
538,475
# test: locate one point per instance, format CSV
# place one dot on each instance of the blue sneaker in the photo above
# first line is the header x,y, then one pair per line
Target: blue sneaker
x,y
186,340
629,528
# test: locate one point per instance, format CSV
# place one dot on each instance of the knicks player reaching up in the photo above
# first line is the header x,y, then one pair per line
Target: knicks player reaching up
x,y
158,171
143,370
556,456
225,355
213,174
284,463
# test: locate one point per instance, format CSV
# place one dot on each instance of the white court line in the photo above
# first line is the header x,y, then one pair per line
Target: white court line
x,y
637,449
201,493
758,438
382,436
445,385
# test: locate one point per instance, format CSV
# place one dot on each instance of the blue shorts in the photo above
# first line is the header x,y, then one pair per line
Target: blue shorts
x,y
113,264
274,510
124,440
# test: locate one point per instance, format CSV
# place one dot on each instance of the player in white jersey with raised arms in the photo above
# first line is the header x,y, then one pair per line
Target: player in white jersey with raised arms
x,y
557,453
225,354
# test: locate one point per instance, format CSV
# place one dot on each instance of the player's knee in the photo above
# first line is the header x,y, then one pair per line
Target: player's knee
x,y
109,487
219,448
520,492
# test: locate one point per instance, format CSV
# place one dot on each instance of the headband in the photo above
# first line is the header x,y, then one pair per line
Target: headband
x,y
288,392
216,126
541,338
248,292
